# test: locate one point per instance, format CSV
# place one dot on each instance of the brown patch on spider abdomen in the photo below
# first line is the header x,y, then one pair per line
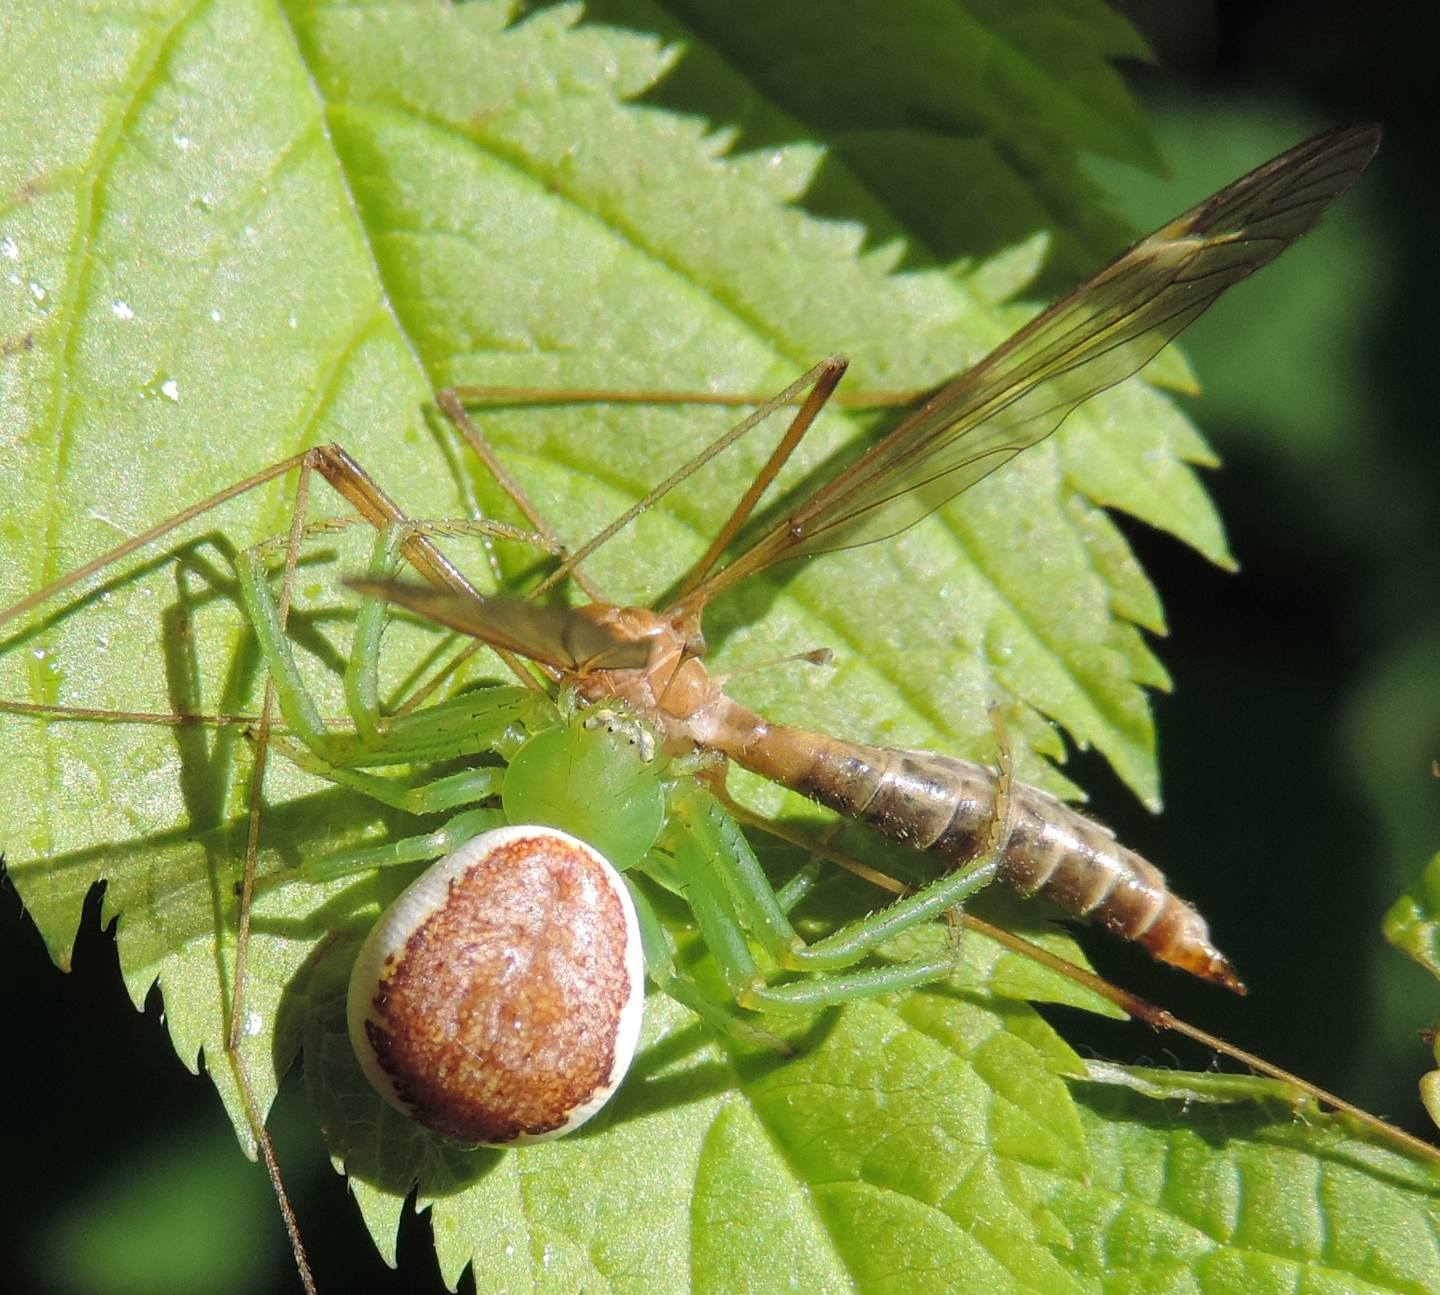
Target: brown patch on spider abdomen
x,y
497,1001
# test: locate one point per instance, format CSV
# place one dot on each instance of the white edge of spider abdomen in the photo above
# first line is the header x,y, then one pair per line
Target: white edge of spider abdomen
x,y
426,907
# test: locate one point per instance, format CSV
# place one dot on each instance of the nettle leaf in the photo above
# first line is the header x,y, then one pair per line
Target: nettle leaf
x,y
232,231
960,130
1218,1196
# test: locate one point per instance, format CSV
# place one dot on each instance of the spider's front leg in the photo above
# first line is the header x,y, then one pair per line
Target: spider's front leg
x,y
458,727
734,905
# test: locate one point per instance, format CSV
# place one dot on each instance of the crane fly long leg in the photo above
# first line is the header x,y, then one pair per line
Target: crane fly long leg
x,y
257,774
822,378
352,482
1158,1018
544,396
121,551
827,375
272,1171
450,402
161,719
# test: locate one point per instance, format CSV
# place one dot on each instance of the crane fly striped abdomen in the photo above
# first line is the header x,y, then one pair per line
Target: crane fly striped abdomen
x,y
1101,333
952,809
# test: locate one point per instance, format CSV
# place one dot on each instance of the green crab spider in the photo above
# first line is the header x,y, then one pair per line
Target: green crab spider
x,y
595,773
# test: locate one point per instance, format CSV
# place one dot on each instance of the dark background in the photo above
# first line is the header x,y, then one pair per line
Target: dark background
x,y
1295,749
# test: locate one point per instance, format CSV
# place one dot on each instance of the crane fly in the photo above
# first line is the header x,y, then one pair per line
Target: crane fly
x,y
1103,332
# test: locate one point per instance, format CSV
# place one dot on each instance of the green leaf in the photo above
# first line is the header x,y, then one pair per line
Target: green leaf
x,y
960,130
1220,1197
1412,923
234,230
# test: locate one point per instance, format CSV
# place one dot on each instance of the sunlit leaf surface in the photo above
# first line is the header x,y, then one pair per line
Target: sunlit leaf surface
x,y
228,231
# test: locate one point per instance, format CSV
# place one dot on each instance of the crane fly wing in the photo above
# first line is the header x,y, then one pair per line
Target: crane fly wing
x,y
553,636
1107,329
1101,333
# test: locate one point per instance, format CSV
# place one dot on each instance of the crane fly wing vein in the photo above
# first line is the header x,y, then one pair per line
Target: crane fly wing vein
x,y
1098,335
550,635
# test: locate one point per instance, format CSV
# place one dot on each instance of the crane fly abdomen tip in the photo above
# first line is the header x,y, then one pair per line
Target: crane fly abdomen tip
x,y
1225,975
1207,964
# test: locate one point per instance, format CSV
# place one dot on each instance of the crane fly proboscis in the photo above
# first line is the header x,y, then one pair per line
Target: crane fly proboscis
x,y
980,824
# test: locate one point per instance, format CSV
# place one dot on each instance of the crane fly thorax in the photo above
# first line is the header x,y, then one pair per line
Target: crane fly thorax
x,y
672,691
